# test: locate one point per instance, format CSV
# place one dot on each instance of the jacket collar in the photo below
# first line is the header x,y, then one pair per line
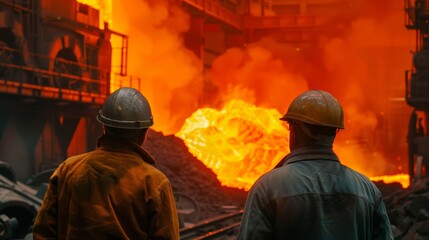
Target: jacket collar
x,y
308,154
119,145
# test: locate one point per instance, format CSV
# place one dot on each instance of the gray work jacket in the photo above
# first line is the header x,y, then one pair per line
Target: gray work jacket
x,y
311,195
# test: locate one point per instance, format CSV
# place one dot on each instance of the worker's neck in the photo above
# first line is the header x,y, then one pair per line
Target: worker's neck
x,y
295,145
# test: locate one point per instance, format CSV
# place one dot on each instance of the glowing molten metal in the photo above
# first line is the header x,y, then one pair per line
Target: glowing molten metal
x,y
403,179
239,143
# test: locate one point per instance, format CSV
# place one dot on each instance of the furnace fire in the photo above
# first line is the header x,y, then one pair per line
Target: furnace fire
x,y
345,58
239,143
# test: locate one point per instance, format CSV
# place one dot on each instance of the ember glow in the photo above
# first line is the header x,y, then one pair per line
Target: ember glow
x,y
403,179
239,143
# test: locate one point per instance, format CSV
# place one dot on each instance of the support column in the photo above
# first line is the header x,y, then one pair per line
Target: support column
x,y
64,128
194,38
4,119
19,142
234,40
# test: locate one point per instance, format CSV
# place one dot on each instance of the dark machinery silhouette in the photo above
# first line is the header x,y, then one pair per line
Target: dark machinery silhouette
x,y
19,204
417,89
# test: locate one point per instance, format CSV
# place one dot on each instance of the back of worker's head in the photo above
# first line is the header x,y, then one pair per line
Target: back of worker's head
x,y
314,118
126,115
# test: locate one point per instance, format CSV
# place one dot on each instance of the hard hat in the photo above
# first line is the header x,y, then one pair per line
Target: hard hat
x,y
316,107
126,108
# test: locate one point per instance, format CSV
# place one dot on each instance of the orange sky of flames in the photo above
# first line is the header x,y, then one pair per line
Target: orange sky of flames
x,y
361,61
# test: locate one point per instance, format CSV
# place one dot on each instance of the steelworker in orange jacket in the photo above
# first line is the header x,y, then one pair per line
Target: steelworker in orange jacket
x,y
113,192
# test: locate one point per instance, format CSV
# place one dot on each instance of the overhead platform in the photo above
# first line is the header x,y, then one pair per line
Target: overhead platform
x,y
31,91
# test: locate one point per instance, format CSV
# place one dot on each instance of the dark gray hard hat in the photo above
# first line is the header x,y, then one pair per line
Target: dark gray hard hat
x,y
126,108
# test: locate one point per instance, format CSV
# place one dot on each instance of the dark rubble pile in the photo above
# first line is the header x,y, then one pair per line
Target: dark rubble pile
x,y
190,176
408,210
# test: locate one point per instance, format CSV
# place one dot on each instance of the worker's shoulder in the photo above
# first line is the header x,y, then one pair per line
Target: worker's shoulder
x,y
139,167
360,182
149,175
273,176
68,163
78,157
74,159
356,174
148,167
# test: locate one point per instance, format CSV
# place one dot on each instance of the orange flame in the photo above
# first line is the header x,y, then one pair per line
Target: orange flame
x,y
239,143
403,179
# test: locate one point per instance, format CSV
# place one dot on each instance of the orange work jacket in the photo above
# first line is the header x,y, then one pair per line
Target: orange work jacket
x,y
113,192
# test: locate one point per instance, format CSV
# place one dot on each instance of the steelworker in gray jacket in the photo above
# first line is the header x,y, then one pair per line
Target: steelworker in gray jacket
x,y
310,194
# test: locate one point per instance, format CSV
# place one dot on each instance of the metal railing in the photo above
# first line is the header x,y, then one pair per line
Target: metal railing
x,y
37,74
119,81
270,22
31,68
410,14
22,5
417,88
214,227
225,15
216,10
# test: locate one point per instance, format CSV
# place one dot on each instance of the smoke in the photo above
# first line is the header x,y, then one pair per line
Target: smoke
x,y
363,67
359,56
254,74
170,74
